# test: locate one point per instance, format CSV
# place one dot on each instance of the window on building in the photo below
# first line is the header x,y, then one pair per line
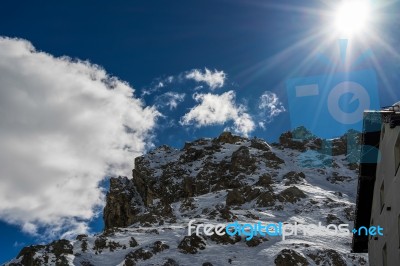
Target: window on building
x,y
383,131
398,229
397,154
384,255
382,195
371,224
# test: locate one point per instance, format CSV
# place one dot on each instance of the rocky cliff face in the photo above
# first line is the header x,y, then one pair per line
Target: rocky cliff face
x,y
168,175
300,179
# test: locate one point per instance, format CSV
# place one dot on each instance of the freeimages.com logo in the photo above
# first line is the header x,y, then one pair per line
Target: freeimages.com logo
x,y
331,104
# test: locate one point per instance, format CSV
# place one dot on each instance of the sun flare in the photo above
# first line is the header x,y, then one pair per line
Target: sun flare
x,y
352,17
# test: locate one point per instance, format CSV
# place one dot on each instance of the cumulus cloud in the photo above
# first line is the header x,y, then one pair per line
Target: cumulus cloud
x,y
64,126
170,99
217,110
156,85
214,79
271,106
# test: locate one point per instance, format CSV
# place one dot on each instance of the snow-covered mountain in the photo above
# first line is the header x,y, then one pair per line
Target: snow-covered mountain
x,y
301,179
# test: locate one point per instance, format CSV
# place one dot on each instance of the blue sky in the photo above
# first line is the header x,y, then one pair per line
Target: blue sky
x,y
183,59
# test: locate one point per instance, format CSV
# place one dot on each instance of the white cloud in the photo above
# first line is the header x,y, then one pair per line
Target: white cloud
x,y
217,110
160,85
214,79
156,85
64,126
271,107
170,99
19,244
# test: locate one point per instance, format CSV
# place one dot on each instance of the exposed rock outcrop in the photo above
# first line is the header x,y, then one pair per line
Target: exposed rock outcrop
x,y
192,244
220,181
289,257
123,203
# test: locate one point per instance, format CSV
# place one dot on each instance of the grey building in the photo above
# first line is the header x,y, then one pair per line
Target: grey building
x,y
378,194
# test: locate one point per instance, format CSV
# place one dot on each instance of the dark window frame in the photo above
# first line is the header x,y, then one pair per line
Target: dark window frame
x,y
398,230
397,155
384,255
382,195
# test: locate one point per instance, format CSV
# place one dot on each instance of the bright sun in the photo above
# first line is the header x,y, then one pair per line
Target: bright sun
x,y
352,17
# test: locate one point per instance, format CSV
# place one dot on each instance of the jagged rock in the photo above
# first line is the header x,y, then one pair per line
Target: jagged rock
x,y
226,214
28,255
132,242
189,187
152,231
172,177
289,257
170,262
192,154
349,213
60,248
125,207
227,137
164,209
330,203
292,178
339,147
225,239
272,161
140,254
243,195
265,180
266,199
84,245
327,257
286,141
81,237
357,260
348,144
336,178
123,203
99,244
111,231
332,219
302,139
254,241
159,246
302,133
292,195
142,177
242,161
250,193
198,142
191,244
259,144
145,219
353,166
86,263
187,205
235,197
223,211
112,245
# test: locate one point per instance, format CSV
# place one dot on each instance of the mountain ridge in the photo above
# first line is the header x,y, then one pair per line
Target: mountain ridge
x,y
230,178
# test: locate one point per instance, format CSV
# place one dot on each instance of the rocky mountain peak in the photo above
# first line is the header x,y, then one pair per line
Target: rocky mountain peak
x,y
230,178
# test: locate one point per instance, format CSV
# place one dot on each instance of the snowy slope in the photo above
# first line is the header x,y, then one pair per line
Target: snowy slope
x,y
220,181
